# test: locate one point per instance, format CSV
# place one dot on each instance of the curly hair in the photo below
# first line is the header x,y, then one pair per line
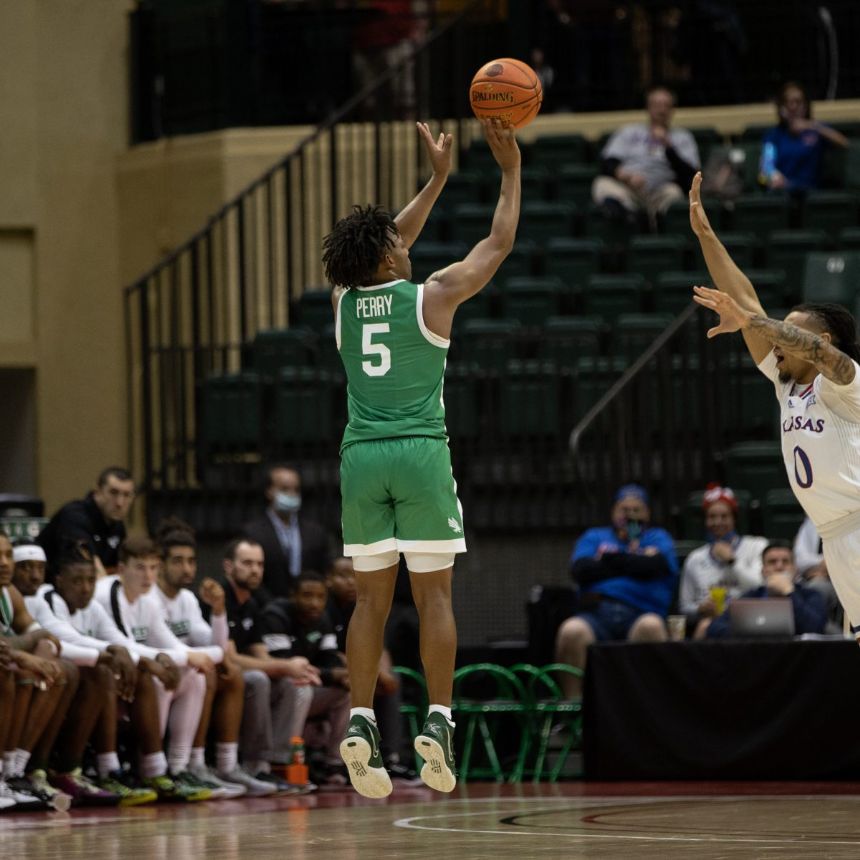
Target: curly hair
x,y
354,248
838,321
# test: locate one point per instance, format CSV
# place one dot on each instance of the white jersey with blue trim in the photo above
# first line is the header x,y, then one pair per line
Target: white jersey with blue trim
x,y
820,432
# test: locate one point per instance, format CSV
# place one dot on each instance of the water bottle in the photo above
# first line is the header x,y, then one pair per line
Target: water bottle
x,y
297,770
767,165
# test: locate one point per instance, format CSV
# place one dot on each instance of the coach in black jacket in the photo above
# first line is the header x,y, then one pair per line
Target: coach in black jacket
x,y
291,542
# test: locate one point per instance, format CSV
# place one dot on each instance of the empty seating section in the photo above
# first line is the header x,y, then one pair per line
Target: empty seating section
x,y
575,303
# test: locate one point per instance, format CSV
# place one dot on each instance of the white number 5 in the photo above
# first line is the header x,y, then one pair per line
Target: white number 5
x,y
380,349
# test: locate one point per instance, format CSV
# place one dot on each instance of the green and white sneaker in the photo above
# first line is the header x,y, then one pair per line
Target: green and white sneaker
x,y
435,745
360,753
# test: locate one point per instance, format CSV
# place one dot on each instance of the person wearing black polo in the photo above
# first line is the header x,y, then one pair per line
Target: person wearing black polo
x,y
97,520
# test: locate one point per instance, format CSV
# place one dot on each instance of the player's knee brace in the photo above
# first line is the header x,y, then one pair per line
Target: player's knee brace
x,y
428,562
370,563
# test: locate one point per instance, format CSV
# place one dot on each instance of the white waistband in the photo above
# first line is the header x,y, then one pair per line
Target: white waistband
x,y
843,526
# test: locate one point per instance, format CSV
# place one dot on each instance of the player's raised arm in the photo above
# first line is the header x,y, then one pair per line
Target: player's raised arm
x,y
725,273
460,281
410,222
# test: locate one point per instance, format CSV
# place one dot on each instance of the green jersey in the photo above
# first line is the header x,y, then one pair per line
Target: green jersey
x,y
395,366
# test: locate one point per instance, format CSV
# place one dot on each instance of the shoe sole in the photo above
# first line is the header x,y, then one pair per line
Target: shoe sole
x,y
138,801
366,780
435,773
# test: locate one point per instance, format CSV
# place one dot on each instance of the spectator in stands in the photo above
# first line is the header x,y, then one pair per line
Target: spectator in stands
x,y
728,561
779,571
278,691
387,700
792,151
225,689
99,519
129,599
626,573
291,542
812,571
647,166
300,627
381,43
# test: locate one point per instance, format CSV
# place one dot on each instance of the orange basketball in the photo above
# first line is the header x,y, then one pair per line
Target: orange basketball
x,y
507,89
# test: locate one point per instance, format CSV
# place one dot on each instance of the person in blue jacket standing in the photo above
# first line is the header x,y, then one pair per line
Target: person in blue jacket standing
x,y
626,573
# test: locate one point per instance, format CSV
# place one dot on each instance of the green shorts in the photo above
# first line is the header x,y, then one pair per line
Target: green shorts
x,y
400,494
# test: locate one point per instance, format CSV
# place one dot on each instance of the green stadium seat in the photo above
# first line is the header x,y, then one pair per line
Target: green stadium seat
x,y
471,222
534,182
634,333
543,221
673,291
707,139
848,127
744,249
532,300
694,519
430,257
832,276
650,255
676,219
849,239
479,307
755,133
852,165
610,296
232,413
479,158
830,211
304,408
615,233
273,349
462,401
488,343
746,154
760,214
594,377
437,227
757,467
520,263
771,287
755,409
529,403
573,260
315,309
834,163
567,339
466,186
782,515
553,152
787,250
573,182
328,357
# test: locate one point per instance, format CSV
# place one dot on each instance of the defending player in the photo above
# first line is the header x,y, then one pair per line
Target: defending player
x,y
398,491
812,358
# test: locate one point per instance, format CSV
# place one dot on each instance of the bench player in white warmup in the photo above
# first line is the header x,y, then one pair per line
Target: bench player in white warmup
x,y
812,358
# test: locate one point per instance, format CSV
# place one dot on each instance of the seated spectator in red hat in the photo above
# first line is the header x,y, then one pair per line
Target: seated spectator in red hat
x,y
725,566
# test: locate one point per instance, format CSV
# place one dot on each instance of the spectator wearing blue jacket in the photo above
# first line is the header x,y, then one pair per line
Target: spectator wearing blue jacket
x,y
626,573
792,151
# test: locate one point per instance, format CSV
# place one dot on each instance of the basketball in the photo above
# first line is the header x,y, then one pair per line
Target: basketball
x,y
507,89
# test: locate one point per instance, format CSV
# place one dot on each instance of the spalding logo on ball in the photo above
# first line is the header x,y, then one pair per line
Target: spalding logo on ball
x,y
507,89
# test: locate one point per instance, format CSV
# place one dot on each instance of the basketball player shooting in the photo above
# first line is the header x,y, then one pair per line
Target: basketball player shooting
x,y
398,492
812,358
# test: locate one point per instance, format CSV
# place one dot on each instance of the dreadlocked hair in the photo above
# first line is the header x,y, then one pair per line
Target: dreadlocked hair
x,y
838,321
354,248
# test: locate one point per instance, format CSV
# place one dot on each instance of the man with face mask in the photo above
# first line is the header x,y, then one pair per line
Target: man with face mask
x,y
626,573
291,541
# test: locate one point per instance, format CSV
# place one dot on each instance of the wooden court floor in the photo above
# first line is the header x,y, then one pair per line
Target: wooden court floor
x,y
478,822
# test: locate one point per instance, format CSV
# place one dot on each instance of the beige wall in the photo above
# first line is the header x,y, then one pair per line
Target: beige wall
x,y
63,112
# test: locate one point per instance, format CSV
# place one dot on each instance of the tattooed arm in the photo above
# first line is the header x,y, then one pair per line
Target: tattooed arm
x,y
828,359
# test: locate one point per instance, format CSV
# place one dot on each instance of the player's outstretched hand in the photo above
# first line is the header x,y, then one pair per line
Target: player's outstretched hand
x,y
732,317
439,150
502,139
698,217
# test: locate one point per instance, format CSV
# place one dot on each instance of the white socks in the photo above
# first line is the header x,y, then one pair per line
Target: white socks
x,y
198,758
226,757
107,763
154,764
367,713
441,709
